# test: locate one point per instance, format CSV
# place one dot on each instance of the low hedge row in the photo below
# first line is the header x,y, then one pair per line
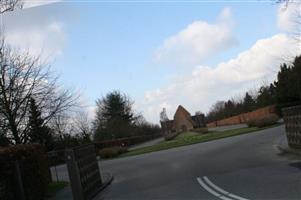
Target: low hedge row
x,y
111,152
33,167
264,121
170,136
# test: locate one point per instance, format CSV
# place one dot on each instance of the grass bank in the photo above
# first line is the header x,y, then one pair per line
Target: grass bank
x,y
192,138
54,187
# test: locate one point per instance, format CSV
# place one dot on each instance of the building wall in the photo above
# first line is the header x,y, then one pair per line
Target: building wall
x,y
245,117
180,120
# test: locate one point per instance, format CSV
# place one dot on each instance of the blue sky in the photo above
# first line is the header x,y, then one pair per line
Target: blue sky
x,y
98,47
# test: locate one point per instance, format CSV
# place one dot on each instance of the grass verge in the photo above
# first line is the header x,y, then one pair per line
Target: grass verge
x,y
192,138
54,187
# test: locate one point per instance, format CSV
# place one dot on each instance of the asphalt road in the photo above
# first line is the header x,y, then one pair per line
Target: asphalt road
x,y
247,166
229,127
242,167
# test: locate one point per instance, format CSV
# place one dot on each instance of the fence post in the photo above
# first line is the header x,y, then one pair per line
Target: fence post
x,y
292,120
18,180
74,176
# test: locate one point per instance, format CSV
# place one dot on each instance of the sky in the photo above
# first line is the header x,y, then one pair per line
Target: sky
x,y
160,53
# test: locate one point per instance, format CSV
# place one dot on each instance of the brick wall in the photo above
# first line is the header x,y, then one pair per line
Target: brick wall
x,y
181,121
245,117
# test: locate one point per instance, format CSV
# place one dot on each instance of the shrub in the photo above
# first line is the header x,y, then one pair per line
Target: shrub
x,y
33,167
264,121
170,136
201,130
111,152
251,123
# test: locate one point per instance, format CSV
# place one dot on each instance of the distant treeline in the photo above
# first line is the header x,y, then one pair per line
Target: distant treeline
x,y
284,91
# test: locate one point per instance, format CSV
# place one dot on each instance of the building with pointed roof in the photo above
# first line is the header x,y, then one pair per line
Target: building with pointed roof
x,y
183,121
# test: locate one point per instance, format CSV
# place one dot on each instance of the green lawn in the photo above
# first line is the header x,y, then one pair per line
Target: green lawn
x,y
191,138
54,187
185,135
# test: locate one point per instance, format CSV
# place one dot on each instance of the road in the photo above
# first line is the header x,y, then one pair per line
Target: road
x,y
229,127
247,166
147,144
242,167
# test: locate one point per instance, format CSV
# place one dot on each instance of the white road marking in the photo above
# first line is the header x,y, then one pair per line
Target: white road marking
x,y
221,190
208,189
217,191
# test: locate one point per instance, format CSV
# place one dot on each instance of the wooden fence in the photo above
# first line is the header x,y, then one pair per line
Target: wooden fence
x,y
11,184
292,120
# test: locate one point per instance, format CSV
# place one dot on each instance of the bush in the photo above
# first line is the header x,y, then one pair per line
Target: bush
x,y
33,167
170,136
251,123
201,130
264,121
111,152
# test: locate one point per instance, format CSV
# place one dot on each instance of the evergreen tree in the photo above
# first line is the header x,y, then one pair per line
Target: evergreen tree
x,y
114,116
266,96
39,133
288,84
249,103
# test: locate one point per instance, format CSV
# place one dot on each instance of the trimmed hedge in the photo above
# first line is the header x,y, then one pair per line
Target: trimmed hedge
x,y
111,152
33,167
200,130
170,136
264,121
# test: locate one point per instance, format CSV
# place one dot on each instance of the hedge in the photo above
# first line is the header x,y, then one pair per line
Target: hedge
x,y
170,136
33,166
264,121
111,152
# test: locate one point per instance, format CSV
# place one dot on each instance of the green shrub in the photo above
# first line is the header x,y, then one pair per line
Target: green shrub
x,y
201,130
33,166
170,136
251,123
264,121
111,152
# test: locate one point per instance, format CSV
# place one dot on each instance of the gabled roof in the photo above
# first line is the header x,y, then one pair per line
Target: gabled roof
x,y
182,110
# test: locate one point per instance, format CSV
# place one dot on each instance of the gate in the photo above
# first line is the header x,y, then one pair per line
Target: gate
x,y
83,171
292,120
11,184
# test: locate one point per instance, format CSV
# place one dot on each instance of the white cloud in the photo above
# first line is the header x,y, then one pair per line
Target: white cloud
x,y
198,41
34,3
288,16
206,84
38,30
47,41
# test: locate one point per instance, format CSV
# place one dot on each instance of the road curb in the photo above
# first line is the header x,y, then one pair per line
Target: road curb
x,y
288,150
107,181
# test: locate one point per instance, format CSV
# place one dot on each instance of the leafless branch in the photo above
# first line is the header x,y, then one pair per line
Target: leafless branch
x,y
10,5
23,77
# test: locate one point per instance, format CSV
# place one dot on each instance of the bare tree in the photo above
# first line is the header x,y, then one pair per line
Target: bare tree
x,y
82,125
296,17
10,5
61,125
23,77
